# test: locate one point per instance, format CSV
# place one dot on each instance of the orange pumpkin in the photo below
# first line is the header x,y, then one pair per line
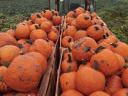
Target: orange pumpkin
x,y
83,49
121,92
105,61
38,34
34,16
69,65
124,77
99,93
71,93
52,36
47,14
40,59
11,32
86,83
22,31
83,21
8,53
73,23
67,81
113,84
34,27
40,20
27,74
56,20
54,29
79,11
71,14
46,26
69,20
80,34
42,47
66,41
95,31
6,39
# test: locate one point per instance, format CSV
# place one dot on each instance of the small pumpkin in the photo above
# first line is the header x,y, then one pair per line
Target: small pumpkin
x,y
79,11
69,65
124,77
47,14
67,81
80,34
69,20
85,82
34,16
71,14
34,27
121,92
46,26
11,32
52,36
56,20
99,93
40,20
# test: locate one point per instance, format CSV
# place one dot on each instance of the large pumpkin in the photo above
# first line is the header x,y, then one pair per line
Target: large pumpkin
x,y
23,70
99,93
8,53
42,47
89,80
83,48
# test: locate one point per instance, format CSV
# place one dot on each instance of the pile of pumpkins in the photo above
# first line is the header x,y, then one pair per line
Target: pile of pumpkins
x,y
95,61
24,53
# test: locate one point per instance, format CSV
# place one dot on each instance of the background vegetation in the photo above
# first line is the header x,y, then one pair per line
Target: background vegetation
x,y
113,12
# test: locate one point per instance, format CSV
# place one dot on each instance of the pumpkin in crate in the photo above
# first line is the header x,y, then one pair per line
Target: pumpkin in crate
x,y
80,34
124,77
89,80
3,87
34,16
47,14
6,39
105,45
38,34
105,61
121,48
83,49
23,74
70,31
69,64
69,20
73,23
121,92
113,84
52,35
22,31
66,41
94,15
71,14
24,45
40,20
42,46
56,20
79,11
71,93
54,29
8,53
46,26
67,81
40,58
107,31
83,21
11,32
96,32
99,93
34,27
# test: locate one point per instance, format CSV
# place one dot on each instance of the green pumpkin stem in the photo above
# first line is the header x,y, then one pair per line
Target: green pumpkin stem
x,y
96,65
29,41
114,45
99,49
86,49
20,46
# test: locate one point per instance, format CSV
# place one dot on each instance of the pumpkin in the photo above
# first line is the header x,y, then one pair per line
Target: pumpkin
x,y
24,45
38,34
66,41
105,45
42,47
79,11
113,84
46,26
94,15
54,29
34,27
47,14
8,53
55,13
40,59
11,32
99,93
40,20
73,23
121,92
83,21
71,93
22,31
121,48
96,32
67,81
56,20
27,74
70,14
70,31
52,36
107,31
19,94
124,77
6,39
80,34
34,16
69,20
105,61
86,83
83,48
69,65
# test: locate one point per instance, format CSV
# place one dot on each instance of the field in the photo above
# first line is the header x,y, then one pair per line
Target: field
x,y
113,12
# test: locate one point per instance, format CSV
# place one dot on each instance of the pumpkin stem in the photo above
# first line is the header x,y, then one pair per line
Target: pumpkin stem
x,y
37,27
97,28
69,68
114,45
86,49
1,78
86,18
38,16
29,41
6,64
70,39
126,59
69,49
99,49
69,58
96,65
84,62
20,46
126,65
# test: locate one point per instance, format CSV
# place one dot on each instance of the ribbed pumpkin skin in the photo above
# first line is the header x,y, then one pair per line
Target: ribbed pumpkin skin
x,y
27,72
